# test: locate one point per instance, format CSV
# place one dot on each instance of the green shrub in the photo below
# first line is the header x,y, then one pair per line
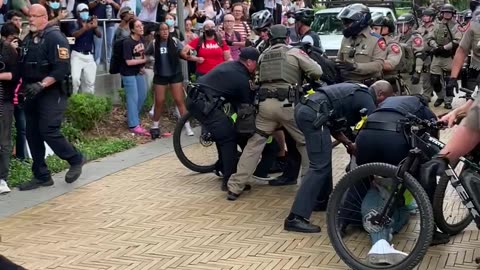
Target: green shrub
x,y
85,111
70,132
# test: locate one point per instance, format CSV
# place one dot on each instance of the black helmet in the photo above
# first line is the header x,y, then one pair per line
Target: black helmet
x,y
428,12
467,14
359,14
305,16
448,8
474,4
261,19
380,20
406,18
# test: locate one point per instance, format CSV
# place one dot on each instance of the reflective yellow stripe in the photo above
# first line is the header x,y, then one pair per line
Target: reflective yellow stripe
x,y
270,139
234,117
310,92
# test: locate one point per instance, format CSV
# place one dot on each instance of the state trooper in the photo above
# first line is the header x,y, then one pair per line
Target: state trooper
x,y
321,115
385,27
362,52
428,18
412,44
280,68
261,23
470,44
444,41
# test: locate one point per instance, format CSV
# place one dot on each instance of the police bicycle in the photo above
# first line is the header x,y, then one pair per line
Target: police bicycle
x,y
346,223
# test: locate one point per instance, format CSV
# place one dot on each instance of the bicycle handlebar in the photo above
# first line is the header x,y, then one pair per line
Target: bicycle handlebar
x,y
413,119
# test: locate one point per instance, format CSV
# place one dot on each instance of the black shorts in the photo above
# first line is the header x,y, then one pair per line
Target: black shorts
x,y
165,80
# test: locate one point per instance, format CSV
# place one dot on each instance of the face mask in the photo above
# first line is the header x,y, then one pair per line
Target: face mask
x,y
210,32
84,15
54,5
170,22
291,20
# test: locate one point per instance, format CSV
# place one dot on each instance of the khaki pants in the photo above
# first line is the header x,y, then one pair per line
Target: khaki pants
x,y
271,116
427,85
439,66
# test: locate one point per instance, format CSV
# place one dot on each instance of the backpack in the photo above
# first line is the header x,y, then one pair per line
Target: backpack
x,y
117,56
329,75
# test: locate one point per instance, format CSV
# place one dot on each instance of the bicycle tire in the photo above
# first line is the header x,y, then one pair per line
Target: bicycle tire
x,y
177,134
425,208
438,214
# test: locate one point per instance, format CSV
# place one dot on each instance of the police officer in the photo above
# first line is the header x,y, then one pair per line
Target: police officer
x,y
444,40
385,27
319,116
45,63
470,44
383,127
280,68
428,17
413,47
303,19
229,82
362,52
261,22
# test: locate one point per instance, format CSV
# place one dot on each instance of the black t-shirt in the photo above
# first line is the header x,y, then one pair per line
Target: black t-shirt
x,y
9,57
132,49
230,80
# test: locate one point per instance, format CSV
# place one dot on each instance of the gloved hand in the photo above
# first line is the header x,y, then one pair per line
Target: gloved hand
x,y
32,89
451,85
229,42
436,166
439,50
416,77
346,66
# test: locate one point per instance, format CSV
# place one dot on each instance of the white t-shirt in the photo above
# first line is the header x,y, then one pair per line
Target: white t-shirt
x,y
148,13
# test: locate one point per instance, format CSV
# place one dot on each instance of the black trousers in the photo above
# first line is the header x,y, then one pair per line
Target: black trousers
x,y
44,116
6,120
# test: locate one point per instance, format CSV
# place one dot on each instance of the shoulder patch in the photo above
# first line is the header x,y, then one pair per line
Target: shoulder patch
x,y
417,41
63,53
395,48
382,44
375,34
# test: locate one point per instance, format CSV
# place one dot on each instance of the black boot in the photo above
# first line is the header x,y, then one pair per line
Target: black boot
x,y
155,133
439,238
438,102
282,181
448,105
297,223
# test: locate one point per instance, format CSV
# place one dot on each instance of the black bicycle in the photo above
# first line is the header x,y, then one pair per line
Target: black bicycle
x,y
345,204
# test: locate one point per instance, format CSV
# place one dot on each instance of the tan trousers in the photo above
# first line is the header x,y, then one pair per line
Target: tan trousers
x,y
271,116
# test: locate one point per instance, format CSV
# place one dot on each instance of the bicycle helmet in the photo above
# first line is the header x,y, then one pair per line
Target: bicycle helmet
x,y
261,19
383,21
305,16
358,15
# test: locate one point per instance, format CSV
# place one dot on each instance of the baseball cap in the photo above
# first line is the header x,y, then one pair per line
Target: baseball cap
x,y
82,7
249,53
124,10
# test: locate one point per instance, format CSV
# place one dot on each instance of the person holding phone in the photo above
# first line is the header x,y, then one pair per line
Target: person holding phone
x,y
83,66
55,12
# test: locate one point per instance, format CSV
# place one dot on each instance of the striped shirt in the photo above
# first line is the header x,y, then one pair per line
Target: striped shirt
x,y
243,29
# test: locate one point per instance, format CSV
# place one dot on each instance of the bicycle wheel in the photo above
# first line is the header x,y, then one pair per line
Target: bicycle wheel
x,y
199,157
340,238
451,216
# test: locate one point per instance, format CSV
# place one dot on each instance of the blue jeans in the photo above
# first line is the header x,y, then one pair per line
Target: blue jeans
x,y
99,43
319,150
20,126
135,93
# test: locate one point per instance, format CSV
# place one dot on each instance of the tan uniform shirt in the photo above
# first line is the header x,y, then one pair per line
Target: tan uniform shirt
x,y
471,42
369,51
414,42
394,55
472,121
444,34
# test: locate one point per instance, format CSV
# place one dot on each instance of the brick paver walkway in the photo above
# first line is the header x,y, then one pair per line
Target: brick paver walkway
x,y
159,215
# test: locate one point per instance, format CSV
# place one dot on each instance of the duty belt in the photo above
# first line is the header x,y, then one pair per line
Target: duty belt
x,y
387,126
322,110
279,93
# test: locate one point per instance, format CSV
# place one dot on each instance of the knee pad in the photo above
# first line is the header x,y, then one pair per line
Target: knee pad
x,y
436,82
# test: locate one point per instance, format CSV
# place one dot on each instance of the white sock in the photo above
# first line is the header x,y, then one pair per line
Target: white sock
x,y
187,125
155,124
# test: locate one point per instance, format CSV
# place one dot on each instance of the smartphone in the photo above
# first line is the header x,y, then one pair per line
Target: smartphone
x,y
71,40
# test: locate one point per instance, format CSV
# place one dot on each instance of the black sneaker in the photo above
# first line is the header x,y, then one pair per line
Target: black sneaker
x,y
74,172
438,102
448,106
439,238
155,133
36,183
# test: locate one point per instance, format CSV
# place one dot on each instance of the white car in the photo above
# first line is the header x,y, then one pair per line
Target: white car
x,y
329,28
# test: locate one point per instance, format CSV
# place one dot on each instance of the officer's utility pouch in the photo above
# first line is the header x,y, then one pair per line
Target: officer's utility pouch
x,y
66,85
245,123
282,94
338,124
322,110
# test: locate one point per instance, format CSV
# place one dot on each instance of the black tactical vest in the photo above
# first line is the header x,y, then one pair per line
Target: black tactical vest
x,y
403,105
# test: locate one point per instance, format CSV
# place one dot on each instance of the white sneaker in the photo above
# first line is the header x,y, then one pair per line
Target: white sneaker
x,y
383,253
268,178
4,189
188,129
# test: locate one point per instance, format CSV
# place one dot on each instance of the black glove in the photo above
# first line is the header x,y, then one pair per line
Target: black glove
x,y
451,85
415,78
438,51
436,166
229,42
346,66
32,89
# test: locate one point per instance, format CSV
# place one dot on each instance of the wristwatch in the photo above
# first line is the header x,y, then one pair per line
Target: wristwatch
x,y
43,84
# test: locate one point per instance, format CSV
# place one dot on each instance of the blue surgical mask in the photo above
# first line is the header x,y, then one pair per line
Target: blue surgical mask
x,y
54,5
84,15
170,22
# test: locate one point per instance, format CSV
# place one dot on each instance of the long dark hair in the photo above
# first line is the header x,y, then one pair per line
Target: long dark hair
x,y
173,56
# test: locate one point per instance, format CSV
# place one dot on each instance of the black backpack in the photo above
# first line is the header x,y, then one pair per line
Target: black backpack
x,y
117,56
329,75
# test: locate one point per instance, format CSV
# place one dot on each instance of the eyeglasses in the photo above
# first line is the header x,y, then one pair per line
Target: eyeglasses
x,y
54,1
